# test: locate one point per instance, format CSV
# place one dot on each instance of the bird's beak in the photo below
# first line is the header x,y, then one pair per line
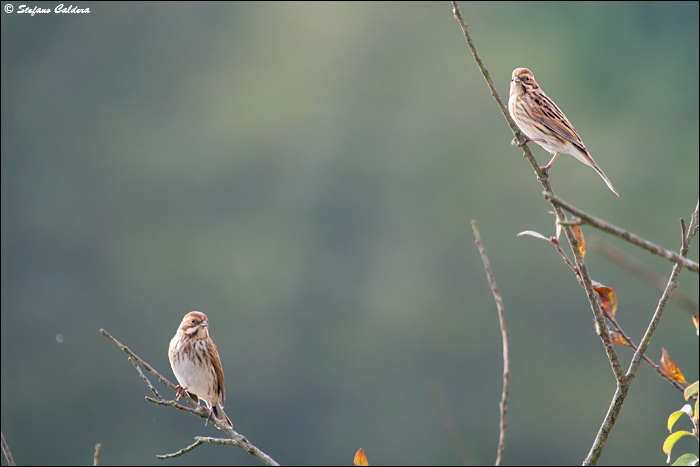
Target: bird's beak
x,y
204,323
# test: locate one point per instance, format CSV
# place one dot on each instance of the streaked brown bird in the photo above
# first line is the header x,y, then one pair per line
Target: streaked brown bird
x,y
541,121
195,361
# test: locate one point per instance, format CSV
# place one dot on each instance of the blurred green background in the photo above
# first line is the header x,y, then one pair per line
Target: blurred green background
x,y
305,174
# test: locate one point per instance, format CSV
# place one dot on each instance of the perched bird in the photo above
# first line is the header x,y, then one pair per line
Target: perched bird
x,y
196,364
542,122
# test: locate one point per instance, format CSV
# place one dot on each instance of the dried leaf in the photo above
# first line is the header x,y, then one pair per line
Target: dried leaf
x,y
608,298
579,236
360,458
670,368
696,323
617,338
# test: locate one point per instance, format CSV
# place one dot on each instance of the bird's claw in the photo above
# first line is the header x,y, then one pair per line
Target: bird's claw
x,y
181,392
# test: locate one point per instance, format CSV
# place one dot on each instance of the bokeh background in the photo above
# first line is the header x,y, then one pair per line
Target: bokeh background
x,y
305,174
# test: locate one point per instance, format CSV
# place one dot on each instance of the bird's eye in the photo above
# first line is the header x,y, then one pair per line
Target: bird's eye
x,y
527,78
193,321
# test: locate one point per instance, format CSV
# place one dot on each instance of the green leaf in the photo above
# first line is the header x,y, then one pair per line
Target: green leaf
x,y
690,390
671,440
674,417
687,459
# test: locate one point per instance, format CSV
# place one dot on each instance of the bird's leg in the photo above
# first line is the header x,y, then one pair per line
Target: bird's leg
x,y
211,415
551,162
545,169
525,141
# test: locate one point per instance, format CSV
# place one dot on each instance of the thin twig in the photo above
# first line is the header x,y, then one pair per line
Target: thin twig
x,y
6,450
96,456
630,343
181,451
199,410
639,269
623,385
504,110
504,338
672,284
623,234
241,443
136,359
556,243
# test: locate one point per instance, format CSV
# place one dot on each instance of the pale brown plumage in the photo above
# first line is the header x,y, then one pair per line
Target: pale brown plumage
x,y
543,122
196,364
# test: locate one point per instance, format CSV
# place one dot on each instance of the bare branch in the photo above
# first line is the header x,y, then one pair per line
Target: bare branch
x,y
513,127
504,338
181,451
136,360
672,284
6,450
639,269
96,456
199,410
623,234
199,440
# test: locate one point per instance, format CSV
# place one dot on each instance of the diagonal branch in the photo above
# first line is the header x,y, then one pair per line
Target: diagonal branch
x,y
199,440
640,270
96,456
504,110
6,450
623,385
623,233
136,361
672,284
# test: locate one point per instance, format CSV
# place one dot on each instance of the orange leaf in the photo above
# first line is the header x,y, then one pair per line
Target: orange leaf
x,y
608,298
695,322
579,236
360,458
670,368
617,338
